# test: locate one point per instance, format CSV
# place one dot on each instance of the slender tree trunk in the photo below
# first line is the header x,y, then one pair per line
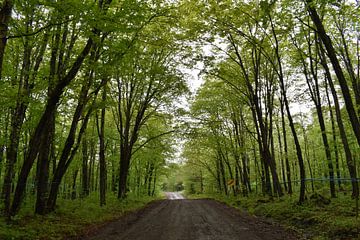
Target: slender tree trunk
x,y
35,139
262,128
291,122
355,81
113,176
314,88
154,185
66,158
92,172
287,164
222,172
47,140
72,142
281,156
5,17
307,155
102,160
327,151
297,146
73,192
85,171
17,119
336,151
337,68
151,172
218,175
349,158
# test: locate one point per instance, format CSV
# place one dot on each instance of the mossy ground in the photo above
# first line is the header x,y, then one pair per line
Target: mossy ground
x,y
71,220
314,219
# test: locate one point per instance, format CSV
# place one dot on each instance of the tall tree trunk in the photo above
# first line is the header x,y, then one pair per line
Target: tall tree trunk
x,y
355,81
52,102
17,119
218,174
336,151
297,145
327,150
129,123
151,172
314,89
102,161
222,173
85,169
35,139
92,171
43,168
281,156
349,158
72,143
154,185
262,125
337,68
125,156
5,17
291,122
287,164
113,171
47,140
307,155
66,158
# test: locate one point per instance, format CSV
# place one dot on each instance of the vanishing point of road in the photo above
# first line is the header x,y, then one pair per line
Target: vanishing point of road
x,y
181,219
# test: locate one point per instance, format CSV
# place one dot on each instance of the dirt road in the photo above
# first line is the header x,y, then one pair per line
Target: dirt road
x,y
191,220
174,195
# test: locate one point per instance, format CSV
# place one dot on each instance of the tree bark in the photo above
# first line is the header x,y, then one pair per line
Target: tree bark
x,y
35,139
337,68
335,142
17,119
291,122
43,168
349,158
5,17
85,169
314,89
102,160
287,164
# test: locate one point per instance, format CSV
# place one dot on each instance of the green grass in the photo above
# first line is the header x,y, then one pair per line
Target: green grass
x,y
71,219
313,220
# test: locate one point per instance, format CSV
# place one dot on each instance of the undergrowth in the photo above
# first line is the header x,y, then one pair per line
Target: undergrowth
x,y
71,219
316,219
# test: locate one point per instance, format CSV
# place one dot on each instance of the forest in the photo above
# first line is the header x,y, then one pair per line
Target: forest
x,y
98,105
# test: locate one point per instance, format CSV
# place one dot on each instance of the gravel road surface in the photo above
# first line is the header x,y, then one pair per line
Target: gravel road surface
x,y
184,219
174,195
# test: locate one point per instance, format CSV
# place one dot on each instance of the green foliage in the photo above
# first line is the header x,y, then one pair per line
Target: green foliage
x,y
137,52
333,221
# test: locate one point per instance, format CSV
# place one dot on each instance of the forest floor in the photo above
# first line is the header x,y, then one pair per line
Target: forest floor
x,y
191,219
318,218
71,220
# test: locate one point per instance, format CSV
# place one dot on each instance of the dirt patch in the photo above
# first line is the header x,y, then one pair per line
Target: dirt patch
x,y
191,219
127,219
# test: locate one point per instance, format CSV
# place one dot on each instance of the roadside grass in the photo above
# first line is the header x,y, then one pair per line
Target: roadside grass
x,y
318,218
71,220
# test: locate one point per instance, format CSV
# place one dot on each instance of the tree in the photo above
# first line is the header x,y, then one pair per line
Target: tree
x,y
331,52
145,83
5,17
